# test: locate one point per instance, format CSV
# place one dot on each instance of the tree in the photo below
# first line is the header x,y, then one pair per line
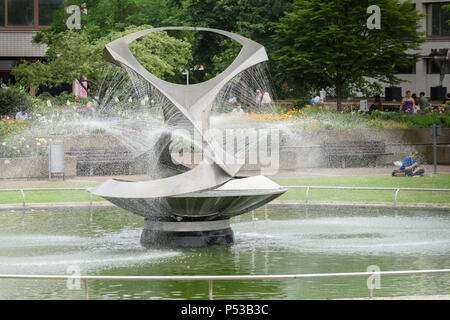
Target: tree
x,y
106,16
327,43
71,55
249,18
447,9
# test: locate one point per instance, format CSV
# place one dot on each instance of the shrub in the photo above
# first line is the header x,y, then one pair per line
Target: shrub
x,y
375,114
12,99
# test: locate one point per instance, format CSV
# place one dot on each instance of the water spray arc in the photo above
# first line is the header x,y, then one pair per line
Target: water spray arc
x,y
190,207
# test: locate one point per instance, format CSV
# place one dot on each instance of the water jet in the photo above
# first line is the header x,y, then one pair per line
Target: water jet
x,y
185,206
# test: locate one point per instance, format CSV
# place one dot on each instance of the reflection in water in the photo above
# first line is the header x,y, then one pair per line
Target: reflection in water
x,y
275,240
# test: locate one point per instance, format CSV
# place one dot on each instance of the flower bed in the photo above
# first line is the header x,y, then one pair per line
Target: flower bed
x,y
320,118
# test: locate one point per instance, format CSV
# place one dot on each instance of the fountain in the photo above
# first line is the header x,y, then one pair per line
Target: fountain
x,y
186,206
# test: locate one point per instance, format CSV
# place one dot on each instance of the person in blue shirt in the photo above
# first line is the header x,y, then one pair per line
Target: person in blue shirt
x,y
411,165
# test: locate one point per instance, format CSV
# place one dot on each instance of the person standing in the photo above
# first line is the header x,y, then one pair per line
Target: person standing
x,y
446,99
238,109
408,103
258,98
232,98
90,110
423,102
323,95
22,114
376,105
266,100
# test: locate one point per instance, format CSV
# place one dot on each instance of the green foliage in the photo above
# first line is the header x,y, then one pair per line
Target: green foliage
x,y
73,55
375,114
423,120
250,18
316,44
447,9
12,99
326,44
159,53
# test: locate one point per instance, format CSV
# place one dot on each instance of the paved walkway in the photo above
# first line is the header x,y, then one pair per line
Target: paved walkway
x,y
300,173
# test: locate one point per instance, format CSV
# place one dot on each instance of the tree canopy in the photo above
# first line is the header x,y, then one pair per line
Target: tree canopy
x,y
72,55
250,18
328,44
312,44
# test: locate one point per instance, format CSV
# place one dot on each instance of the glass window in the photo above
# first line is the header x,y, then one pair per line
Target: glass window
x,y
8,64
406,70
2,13
440,20
20,12
46,10
432,67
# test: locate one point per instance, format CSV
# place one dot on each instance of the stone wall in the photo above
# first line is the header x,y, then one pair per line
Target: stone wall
x,y
87,141
36,167
301,149
304,149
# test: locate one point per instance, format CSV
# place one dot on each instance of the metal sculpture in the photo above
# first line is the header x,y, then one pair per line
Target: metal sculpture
x,y
192,208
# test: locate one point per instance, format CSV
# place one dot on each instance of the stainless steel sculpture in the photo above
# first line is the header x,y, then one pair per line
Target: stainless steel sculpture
x,y
192,208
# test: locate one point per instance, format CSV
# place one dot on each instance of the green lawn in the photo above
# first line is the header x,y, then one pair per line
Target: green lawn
x,y
440,181
48,196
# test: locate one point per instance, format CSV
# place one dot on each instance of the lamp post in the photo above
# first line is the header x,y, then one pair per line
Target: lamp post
x,y
185,72
435,131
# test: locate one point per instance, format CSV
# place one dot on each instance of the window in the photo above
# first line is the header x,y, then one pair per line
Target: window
x,y
21,13
2,13
406,70
432,67
438,20
46,10
8,64
28,14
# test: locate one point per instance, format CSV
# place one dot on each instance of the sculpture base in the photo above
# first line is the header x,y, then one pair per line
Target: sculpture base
x,y
187,234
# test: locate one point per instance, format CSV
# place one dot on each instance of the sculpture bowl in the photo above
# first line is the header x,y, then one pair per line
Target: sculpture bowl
x,y
199,218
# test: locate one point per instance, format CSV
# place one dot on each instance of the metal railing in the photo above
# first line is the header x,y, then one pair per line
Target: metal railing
x,y
22,191
210,279
308,188
363,188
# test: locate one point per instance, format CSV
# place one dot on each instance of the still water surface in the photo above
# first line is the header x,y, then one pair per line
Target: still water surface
x,y
281,240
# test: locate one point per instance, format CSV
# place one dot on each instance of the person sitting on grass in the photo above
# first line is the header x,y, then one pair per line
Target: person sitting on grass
x,y
411,165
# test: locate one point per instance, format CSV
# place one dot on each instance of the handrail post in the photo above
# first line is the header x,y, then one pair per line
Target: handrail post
x,y
395,199
371,289
307,194
23,198
210,289
86,292
253,218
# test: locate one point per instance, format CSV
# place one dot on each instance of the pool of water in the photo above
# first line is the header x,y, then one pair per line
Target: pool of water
x,y
279,240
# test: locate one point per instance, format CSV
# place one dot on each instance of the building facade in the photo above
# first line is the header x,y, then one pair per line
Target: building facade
x,y
20,21
425,74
